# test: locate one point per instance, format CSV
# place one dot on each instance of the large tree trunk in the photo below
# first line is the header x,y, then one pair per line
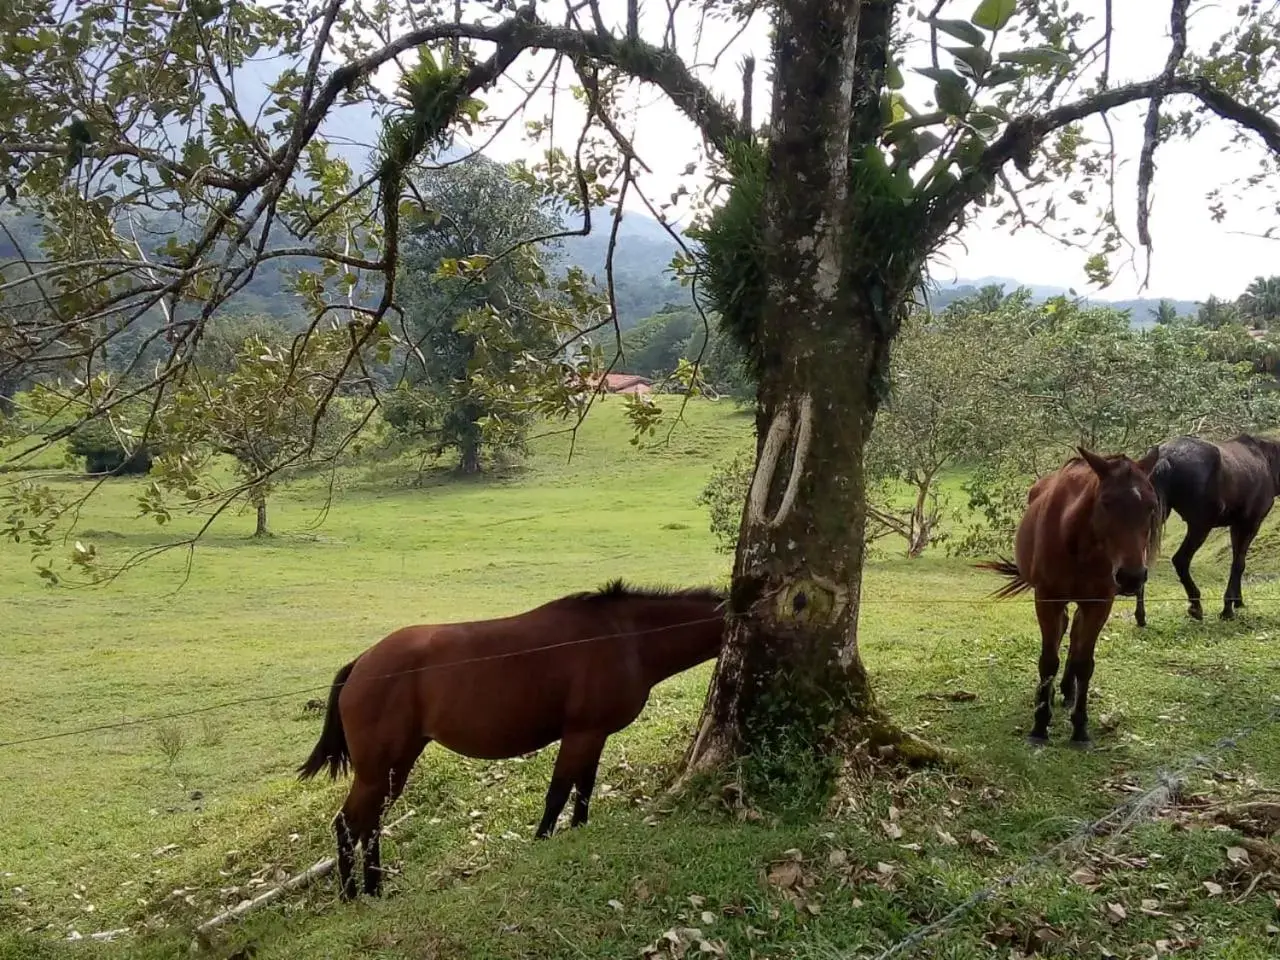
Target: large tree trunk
x,y
790,691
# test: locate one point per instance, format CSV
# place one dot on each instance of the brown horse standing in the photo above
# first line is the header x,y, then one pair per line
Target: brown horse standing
x,y
575,670
1088,535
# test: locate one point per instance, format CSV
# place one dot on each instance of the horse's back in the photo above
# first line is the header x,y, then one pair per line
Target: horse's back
x,y
1187,477
1247,490
1057,509
495,688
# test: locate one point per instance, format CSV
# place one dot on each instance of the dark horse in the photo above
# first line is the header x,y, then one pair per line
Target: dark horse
x,y
1088,535
1211,485
575,670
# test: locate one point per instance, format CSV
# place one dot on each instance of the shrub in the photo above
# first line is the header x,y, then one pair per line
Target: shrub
x,y
104,453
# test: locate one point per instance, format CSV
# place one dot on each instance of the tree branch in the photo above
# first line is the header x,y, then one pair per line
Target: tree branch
x,y
1151,128
663,68
1024,133
870,61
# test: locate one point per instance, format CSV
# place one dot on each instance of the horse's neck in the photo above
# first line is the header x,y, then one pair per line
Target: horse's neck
x,y
670,642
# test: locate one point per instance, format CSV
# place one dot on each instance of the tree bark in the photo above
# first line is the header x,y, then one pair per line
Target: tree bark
x,y
790,693
469,458
260,503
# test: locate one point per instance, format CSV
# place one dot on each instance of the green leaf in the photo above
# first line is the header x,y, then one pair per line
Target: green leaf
x,y
983,122
893,77
975,58
941,75
1038,57
994,14
962,30
952,96
926,141
1005,73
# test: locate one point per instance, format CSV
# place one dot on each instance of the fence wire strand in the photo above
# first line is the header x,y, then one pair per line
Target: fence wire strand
x,y
1167,787
316,688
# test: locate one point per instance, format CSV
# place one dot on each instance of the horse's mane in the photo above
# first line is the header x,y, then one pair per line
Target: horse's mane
x,y
1109,457
619,590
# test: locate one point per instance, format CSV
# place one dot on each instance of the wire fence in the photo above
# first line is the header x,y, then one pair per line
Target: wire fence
x,y
319,687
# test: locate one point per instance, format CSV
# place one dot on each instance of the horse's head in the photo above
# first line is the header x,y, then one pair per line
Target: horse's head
x,y
1126,515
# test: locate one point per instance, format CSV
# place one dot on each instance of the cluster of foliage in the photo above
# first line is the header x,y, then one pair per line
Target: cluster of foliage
x,y
481,309
1003,389
655,347
105,452
1257,307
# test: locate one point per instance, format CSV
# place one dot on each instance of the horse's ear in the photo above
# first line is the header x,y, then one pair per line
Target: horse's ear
x,y
1100,466
1149,460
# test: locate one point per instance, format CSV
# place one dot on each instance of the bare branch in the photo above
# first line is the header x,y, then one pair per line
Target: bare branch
x,y
1151,128
1021,136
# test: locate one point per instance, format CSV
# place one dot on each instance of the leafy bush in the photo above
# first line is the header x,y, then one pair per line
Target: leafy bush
x,y
724,497
103,451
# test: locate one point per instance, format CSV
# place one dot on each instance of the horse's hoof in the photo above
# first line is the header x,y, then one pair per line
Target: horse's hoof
x,y
1195,613
1037,742
1227,614
1076,744
1140,621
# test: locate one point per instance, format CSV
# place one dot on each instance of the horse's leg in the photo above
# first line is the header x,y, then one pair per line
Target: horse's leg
x,y
1086,625
578,751
1140,609
1241,539
397,777
358,816
1193,541
346,857
1052,615
584,783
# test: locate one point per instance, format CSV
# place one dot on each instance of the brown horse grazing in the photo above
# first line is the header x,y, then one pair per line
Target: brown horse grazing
x,y
575,670
1090,530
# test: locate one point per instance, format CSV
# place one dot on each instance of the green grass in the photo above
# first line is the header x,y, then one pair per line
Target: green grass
x,y
156,827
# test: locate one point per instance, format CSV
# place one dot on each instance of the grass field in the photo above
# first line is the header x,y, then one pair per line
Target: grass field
x,y
155,827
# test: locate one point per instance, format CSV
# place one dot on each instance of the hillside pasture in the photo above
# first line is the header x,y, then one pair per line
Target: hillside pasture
x,y
154,827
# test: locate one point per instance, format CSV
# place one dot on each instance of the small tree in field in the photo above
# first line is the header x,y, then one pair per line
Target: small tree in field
x,y
947,407
254,397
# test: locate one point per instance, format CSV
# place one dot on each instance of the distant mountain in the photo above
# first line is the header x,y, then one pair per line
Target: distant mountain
x,y
642,277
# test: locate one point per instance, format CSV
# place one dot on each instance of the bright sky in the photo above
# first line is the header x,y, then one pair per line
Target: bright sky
x,y
1193,256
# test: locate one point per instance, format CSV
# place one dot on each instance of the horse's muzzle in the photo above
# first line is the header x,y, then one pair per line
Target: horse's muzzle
x,y
1129,580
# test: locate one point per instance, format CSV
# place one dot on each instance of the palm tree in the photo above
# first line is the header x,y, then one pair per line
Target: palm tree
x,y
1216,313
1260,302
1164,312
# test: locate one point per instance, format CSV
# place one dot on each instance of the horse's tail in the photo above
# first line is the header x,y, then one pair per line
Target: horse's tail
x,y
1006,568
1161,478
331,749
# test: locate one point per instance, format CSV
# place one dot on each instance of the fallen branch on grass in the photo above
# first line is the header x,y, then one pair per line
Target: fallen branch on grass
x,y
313,873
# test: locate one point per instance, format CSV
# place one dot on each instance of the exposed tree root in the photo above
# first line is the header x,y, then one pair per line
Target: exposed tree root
x,y
882,740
